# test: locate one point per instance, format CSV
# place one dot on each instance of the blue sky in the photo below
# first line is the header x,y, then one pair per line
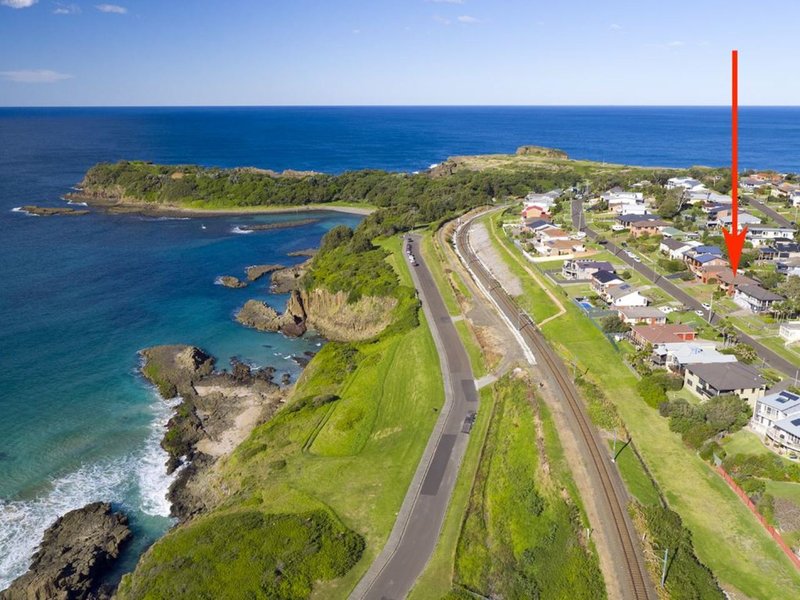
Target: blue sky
x,y
236,52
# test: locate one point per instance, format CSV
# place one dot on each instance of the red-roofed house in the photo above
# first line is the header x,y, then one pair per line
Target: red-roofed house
x,y
642,335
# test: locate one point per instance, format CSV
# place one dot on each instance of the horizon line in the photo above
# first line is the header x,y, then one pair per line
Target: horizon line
x,y
78,106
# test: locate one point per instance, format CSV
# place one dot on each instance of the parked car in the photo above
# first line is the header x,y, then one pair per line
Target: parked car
x,y
706,305
469,421
699,313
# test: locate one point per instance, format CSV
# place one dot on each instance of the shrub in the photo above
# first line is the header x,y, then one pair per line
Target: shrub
x,y
651,391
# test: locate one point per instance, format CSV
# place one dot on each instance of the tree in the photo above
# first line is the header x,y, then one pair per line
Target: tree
x,y
613,324
790,290
743,352
669,208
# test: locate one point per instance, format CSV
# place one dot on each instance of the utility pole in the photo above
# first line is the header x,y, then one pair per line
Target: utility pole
x,y
664,570
614,455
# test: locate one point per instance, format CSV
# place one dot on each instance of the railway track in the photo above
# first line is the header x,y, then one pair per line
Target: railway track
x,y
638,583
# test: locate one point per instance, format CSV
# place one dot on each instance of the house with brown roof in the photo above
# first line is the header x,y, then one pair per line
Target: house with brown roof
x,y
729,283
649,227
637,315
641,335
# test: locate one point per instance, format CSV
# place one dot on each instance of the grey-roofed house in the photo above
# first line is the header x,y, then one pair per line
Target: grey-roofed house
x,y
642,315
624,295
675,356
582,268
716,379
755,298
777,419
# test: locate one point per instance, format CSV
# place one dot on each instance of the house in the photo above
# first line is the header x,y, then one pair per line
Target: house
x,y
535,211
584,268
755,298
600,281
704,256
551,232
536,225
641,335
715,379
559,247
672,232
634,209
624,295
637,315
790,331
676,249
788,267
744,220
761,235
675,356
776,417
687,183
617,199
626,220
795,198
751,184
786,248
773,408
648,227
709,273
729,283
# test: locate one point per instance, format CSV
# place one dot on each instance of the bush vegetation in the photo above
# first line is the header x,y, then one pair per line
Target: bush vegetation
x,y
697,423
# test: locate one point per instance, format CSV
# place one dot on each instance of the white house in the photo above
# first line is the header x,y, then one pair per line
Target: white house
x,y
618,200
744,219
687,183
777,418
760,235
790,331
623,295
676,355
795,199
755,298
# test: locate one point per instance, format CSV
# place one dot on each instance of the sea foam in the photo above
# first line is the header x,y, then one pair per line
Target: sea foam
x,y
239,230
139,477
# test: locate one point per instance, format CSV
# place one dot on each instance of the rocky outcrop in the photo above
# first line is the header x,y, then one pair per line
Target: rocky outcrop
x,y
231,281
217,411
76,552
255,272
47,211
530,150
259,315
306,252
278,225
288,279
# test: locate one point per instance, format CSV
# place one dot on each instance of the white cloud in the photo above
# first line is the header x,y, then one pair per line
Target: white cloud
x,y
468,19
34,76
18,3
675,44
441,20
115,9
66,9
615,27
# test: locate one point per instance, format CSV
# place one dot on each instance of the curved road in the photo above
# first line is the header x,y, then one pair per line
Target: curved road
x,y
416,530
768,356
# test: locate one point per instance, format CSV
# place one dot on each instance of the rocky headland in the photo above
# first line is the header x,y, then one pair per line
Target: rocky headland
x,y
217,410
48,211
74,555
256,272
278,225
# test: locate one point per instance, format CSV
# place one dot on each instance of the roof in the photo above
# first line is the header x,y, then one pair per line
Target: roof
x,y
727,377
784,401
660,334
759,293
554,232
790,425
760,228
562,244
671,232
536,223
641,312
708,250
606,276
649,223
726,276
636,218
620,291
600,265
791,325
704,258
699,353
673,244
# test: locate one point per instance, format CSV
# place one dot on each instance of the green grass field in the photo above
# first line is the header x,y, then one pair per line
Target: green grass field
x,y
350,459
633,474
522,537
721,525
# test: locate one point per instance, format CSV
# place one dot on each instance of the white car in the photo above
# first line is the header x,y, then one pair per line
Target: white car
x,y
706,305
699,313
667,309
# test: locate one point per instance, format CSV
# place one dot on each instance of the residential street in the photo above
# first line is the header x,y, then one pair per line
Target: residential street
x,y
770,212
420,519
771,358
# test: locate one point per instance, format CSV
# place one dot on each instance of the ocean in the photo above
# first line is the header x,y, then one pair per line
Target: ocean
x,y
81,295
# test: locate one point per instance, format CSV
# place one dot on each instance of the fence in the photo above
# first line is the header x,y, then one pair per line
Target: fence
x,y
770,529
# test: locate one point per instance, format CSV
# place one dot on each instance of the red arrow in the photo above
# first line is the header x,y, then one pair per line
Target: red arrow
x,y
734,239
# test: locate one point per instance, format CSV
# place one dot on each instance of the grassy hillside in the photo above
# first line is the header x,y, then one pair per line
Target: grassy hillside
x,y
331,468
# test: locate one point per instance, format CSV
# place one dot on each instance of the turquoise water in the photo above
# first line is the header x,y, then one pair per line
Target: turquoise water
x,y
80,296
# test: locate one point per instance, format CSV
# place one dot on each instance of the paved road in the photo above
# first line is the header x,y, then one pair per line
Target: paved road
x,y
768,356
770,212
420,519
